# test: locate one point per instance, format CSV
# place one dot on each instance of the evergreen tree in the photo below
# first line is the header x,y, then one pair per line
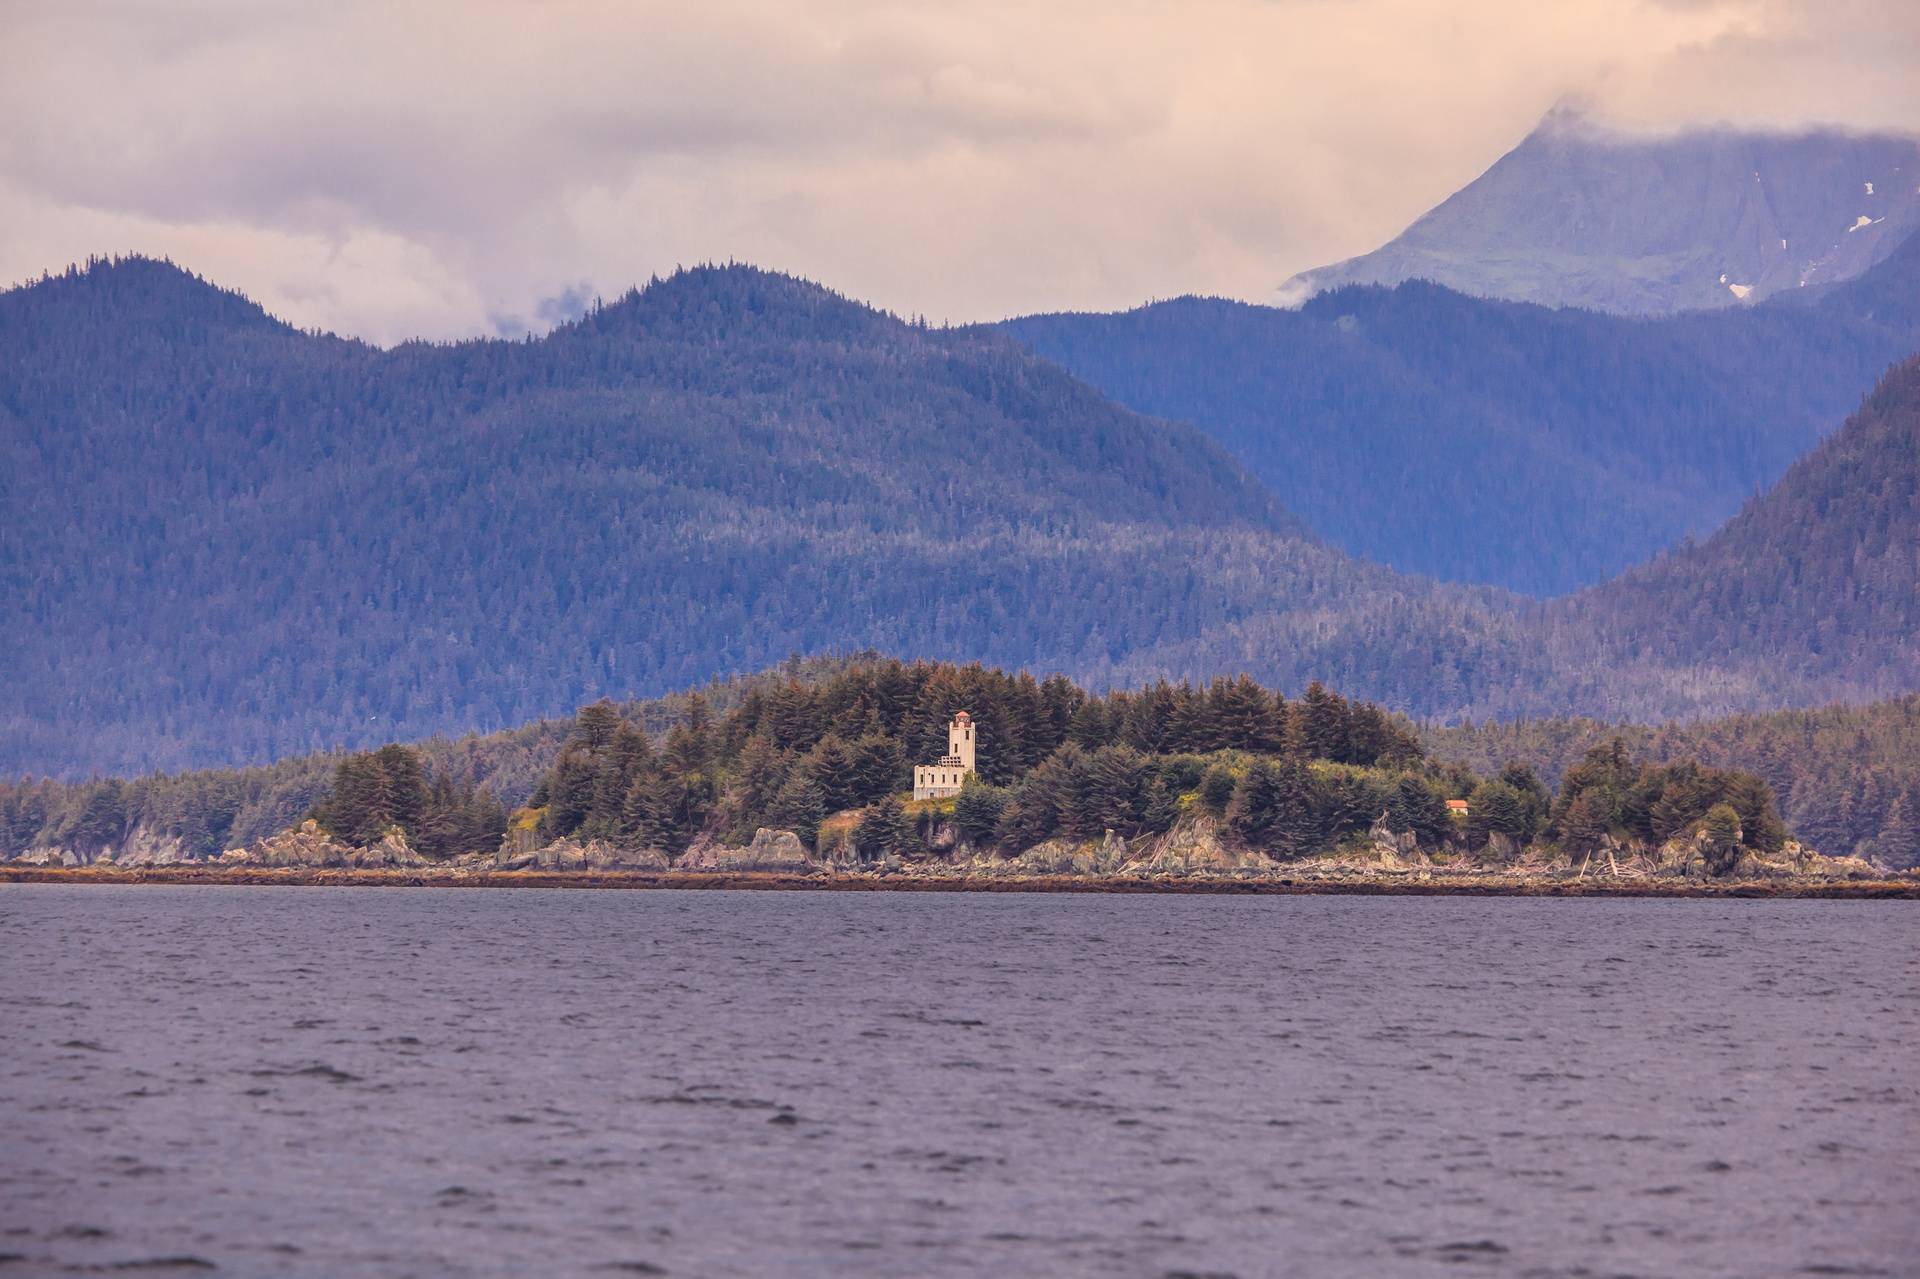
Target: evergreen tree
x,y
569,792
977,810
1898,843
1496,807
1721,827
876,766
1584,823
101,821
1114,787
1216,789
1254,811
1325,723
831,766
595,725
799,807
1417,808
1538,799
652,814
405,783
759,775
1300,811
884,831
1162,808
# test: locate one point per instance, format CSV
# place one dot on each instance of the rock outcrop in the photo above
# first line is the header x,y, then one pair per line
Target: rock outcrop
x,y
570,854
1199,846
770,850
308,846
142,847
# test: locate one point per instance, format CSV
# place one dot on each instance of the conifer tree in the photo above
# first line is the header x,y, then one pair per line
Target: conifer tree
x,y
884,830
1162,808
1898,843
1417,808
595,725
831,767
1216,789
1254,811
1299,813
1495,807
1721,827
1325,723
876,766
1584,824
1113,785
799,807
570,792
977,810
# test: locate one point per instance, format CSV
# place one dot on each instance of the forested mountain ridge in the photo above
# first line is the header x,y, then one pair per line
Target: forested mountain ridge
x,y
1819,576
1581,215
1436,433
228,540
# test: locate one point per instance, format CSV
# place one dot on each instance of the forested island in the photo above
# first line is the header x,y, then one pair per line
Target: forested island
x,y
806,772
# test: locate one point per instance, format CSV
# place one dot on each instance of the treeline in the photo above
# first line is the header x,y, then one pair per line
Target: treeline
x,y
1609,793
207,812
202,813
1291,776
792,755
389,789
1848,776
825,749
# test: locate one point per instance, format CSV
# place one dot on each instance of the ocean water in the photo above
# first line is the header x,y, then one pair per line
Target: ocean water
x,y
327,1082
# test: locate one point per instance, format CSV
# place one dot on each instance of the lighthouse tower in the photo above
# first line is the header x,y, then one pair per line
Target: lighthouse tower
x,y
934,781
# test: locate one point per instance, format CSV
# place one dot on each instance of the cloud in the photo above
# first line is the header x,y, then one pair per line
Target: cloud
x,y
445,167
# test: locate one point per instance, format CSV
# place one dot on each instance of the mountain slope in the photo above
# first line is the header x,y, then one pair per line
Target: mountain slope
x,y
1501,442
1819,577
1578,215
228,540
1808,597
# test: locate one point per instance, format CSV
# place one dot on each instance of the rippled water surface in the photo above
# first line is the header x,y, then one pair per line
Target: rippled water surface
x,y
409,1082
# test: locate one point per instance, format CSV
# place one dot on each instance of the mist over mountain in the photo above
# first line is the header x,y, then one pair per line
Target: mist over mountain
x,y
1580,215
1499,442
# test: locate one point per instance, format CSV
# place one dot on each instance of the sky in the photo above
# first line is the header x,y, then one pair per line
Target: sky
x,y
427,169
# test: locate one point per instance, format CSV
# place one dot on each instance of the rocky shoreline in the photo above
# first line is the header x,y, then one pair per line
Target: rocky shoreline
x,y
1195,857
773,881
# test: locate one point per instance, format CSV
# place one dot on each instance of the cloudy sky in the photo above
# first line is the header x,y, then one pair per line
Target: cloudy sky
x,y
443,169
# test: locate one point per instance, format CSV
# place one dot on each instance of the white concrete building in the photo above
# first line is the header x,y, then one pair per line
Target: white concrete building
x,y
932,781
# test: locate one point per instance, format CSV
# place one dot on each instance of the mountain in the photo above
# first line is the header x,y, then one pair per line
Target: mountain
x,y
1819,577
1499,442
1581,215
1807,597
228,540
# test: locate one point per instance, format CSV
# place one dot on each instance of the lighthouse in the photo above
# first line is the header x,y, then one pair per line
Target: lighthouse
x,y
937,780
